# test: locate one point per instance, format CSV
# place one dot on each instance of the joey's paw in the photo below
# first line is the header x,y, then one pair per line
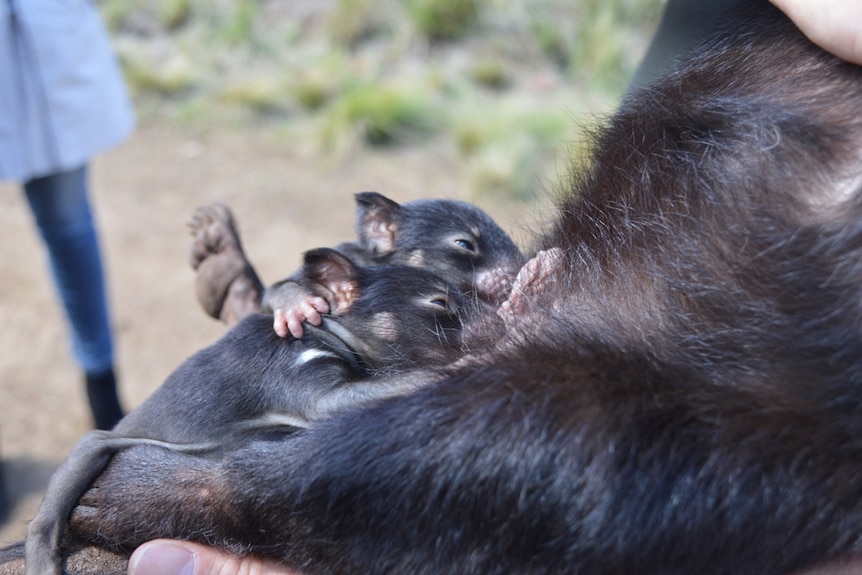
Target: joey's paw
x,y
288,321
495,285
533,279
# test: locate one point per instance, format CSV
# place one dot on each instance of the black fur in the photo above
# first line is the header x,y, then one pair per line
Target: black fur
x,y
681,395
252,383
453,239
251,371
456,240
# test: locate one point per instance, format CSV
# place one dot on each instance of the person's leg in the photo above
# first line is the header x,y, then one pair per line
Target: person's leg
x,y
62,212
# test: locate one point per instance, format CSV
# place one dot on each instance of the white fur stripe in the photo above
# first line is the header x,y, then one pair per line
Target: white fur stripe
x,y
311,355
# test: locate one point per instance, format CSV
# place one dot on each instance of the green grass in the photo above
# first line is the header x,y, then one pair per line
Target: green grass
x,y
508,149
318,82
601,51
311,93
470,74
263,95
171,79
444,20
383,115
240,25
476,128
553,42
593,41
491,74
353,21
175,13
116,12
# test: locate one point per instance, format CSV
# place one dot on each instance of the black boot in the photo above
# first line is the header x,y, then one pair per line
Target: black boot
x,y
104,403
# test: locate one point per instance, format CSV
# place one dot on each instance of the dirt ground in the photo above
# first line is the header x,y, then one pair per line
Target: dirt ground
x,y
286,199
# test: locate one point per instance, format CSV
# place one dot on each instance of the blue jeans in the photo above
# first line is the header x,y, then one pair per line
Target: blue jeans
x,y
62,212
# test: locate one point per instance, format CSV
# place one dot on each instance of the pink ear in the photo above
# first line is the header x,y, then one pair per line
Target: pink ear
x,y
376,222
333,276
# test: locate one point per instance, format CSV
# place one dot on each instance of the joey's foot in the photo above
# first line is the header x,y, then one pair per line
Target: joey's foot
x,y
226,284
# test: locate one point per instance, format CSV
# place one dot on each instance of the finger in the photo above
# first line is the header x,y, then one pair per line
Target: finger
x,y
831,24
168,557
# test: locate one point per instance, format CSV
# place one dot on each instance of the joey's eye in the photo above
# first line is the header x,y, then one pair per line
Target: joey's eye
x,y
443,301
465,245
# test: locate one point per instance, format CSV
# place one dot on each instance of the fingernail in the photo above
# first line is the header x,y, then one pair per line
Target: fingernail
x,y
163,559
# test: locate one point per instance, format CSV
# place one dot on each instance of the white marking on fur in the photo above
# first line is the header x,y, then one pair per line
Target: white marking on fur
x,y
312,354
276,419
385,326
845,189
417,259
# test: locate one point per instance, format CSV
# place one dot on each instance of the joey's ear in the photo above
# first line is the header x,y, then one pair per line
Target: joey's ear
x,y
332,276
377,219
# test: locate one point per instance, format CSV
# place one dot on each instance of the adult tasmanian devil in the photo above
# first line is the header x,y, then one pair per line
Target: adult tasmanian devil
x,y
678,389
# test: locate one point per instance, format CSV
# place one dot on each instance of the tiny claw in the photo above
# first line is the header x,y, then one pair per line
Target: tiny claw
x,y
282,327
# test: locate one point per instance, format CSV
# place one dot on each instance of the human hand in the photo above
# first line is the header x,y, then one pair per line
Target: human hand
x,y
169,557
834,25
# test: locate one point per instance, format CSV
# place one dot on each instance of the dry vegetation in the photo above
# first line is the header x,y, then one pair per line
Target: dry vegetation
x,y
504,81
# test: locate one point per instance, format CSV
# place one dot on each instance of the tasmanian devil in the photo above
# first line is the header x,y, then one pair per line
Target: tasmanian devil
x,y
454,239
679,389
390,319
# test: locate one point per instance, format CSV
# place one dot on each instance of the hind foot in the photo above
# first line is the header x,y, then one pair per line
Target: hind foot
x,y
226,284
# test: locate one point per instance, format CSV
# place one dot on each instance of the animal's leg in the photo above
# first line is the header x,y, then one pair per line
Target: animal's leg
x,y
146,493
226,284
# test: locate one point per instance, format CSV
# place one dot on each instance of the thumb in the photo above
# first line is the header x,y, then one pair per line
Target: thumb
x,y
169,557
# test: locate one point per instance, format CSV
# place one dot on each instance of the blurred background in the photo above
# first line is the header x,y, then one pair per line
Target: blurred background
x,y
283,109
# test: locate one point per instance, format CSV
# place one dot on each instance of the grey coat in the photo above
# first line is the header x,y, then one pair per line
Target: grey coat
x,y
62,96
